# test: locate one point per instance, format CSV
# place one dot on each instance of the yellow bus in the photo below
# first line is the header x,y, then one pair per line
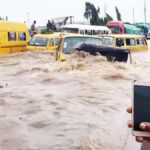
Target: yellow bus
x,y
45,41
68,42
86,29
13,37
132,42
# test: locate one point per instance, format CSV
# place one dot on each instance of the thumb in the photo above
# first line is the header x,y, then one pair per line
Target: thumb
x,y
145,126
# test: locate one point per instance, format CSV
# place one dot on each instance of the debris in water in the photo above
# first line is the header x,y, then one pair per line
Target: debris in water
x,y
2,86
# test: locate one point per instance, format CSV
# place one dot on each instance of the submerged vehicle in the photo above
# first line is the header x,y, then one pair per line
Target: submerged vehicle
x,y
111,53
13,37
132,42
148,35
118,27
145,29
91,45
132,29
44,42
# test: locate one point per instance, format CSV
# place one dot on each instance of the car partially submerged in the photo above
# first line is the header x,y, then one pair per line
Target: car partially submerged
x,y
90,44
132,42
44,42
111,53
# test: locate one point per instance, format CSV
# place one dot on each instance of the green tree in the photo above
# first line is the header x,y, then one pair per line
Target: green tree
x,y
47,31
118,14
93,14
107,18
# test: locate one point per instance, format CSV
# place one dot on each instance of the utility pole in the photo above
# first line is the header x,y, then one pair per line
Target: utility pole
x,y
133,16
145,12
28,19
105,10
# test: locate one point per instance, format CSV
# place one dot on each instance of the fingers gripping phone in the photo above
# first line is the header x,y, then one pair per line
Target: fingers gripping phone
x,y
141,107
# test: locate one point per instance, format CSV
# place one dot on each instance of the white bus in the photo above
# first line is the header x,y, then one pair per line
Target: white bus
x,y
85,29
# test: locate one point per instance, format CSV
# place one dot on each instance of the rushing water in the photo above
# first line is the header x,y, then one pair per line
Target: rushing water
x,y
79,104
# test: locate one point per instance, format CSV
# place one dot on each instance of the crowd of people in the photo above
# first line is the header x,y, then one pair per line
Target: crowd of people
x,y
50,25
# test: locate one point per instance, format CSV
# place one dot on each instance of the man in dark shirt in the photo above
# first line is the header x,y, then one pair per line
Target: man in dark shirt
x,y
49,25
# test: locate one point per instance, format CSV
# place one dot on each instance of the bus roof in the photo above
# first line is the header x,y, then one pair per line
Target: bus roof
x,y
12,26
43,35
85,27
124,36
109,23
143,25
80,35
53,35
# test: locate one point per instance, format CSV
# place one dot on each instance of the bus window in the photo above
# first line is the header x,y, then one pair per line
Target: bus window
x,y
140,42
106,32
38,41
81,31
119,42
11,36
70,30
89,32
57,41
70,42
51,42
102,32
22,36
95,32
107,41
130,42
115,29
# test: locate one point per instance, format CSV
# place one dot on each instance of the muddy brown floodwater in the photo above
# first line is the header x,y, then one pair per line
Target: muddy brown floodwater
x,y
79,104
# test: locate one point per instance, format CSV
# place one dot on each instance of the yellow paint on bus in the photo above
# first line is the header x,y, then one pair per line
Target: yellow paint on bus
x,y
13,37
132,42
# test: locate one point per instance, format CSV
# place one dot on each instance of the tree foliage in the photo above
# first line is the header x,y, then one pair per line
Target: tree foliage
x,y
47,31
118,14
93,14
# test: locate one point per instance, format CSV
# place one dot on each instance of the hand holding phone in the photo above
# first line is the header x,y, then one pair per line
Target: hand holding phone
x,y
130,125
141,109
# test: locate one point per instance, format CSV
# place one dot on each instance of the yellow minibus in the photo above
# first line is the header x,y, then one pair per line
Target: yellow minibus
x,y
13,37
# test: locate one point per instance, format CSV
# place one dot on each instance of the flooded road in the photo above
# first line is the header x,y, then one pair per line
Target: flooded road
x,y
79,104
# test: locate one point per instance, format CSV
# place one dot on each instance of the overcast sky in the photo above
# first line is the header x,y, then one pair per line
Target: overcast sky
x,y
42,10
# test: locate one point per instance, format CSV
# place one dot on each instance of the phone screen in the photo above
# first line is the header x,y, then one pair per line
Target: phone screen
x,y
141,105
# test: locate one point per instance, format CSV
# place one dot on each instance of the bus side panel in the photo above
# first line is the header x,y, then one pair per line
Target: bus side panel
x,y
19,45
7,47
4,48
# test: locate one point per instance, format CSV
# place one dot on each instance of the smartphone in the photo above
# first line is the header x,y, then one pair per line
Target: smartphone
x,y
141,107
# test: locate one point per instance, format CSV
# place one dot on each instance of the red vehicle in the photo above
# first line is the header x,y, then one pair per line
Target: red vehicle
x,y
117,27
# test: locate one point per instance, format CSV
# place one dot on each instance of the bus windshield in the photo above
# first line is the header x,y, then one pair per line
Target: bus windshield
x,y
70,30
38,41
70,42
108,41
115,29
